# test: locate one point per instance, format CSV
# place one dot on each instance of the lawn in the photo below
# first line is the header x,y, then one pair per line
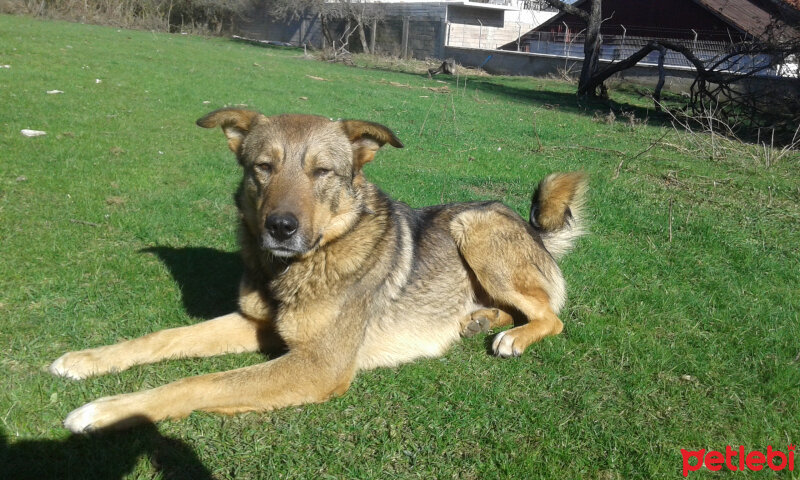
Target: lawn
x,y
681,329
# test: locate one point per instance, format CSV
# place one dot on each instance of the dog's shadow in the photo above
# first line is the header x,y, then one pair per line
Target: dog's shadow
x,y
111,455
208,278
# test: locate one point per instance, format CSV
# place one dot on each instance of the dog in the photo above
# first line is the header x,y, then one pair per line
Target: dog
x,y
345,277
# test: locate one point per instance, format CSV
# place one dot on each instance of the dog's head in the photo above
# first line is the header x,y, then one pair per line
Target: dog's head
x,y
302,174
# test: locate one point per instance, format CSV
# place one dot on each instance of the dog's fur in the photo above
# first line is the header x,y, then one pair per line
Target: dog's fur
x,y
346,277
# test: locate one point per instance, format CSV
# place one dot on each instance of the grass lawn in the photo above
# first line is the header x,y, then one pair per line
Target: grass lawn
x,y
681,330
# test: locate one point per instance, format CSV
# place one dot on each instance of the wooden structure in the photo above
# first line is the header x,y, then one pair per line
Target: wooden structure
x,y
707,27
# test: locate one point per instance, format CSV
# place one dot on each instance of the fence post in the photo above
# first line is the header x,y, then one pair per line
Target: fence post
x,y
372,37
405,37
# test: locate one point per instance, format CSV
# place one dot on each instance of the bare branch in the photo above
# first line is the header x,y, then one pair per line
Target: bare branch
x,y
567,8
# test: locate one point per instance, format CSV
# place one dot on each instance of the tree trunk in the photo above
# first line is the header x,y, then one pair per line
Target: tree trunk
x,y
662,52
325,31
362,36
591,50
591,45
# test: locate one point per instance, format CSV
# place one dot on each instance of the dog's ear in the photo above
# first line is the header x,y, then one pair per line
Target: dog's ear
x,y
235,124
367,138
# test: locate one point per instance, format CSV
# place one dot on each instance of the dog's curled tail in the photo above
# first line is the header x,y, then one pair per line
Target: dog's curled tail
x,y
557,211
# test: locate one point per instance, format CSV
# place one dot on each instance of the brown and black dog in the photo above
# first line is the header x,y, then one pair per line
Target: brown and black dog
x,y
346,277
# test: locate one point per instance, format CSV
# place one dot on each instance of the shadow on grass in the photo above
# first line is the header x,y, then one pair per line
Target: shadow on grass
x,y
209,283
208,278
567,102
563,101
103,456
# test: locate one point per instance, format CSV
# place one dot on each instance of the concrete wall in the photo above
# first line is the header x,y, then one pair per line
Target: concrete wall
x,y
481,28
304,31
539,65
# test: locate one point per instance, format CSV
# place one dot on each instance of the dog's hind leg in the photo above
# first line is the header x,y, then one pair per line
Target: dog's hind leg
x,y
542,322
519,274
232,333
483,320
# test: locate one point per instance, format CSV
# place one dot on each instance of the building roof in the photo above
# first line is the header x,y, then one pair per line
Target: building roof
x,y
749,17
488,6
742,14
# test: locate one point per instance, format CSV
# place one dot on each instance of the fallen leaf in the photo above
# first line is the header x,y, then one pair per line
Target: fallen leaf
x,y
115,200
22,178
317,78
32,133
303,98
444,89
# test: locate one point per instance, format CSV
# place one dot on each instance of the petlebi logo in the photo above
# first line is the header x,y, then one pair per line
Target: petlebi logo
x,y
737,459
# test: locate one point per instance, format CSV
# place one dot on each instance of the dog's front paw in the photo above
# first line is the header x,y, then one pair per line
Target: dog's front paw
x,y
108,412
78,365
506,344
83,419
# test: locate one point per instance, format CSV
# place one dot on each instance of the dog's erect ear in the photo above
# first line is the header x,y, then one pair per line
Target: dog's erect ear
x,y
235,124
367,138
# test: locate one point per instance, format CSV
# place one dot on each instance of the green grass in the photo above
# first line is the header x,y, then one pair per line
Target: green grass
x,y
120,221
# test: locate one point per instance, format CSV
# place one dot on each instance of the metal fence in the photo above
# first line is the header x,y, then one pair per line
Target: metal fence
x,y
619,47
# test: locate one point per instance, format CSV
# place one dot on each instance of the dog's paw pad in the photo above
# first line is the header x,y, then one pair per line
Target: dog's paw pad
x,y
503,345
477,324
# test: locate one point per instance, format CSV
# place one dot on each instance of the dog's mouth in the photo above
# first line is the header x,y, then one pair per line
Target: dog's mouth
x,y
293,247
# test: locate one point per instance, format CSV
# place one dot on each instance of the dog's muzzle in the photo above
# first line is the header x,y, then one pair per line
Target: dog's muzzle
x,y
281,236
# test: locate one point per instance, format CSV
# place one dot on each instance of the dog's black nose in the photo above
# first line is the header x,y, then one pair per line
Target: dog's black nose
x,y
281,226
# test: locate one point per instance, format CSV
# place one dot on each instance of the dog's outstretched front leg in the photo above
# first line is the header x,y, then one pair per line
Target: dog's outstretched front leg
x,y
292,379
232,333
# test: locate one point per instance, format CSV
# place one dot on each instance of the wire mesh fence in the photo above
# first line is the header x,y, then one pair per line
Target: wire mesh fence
x,y
618,47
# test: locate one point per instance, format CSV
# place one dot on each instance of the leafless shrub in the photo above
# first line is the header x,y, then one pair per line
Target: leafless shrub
x,y
710,135
205,16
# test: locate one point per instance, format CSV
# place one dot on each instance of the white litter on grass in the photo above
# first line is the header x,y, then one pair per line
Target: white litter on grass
x,y
32,133
97,80
53,92
5,66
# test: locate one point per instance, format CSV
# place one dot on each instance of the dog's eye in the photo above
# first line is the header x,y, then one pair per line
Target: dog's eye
x,y
264,167
321,172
